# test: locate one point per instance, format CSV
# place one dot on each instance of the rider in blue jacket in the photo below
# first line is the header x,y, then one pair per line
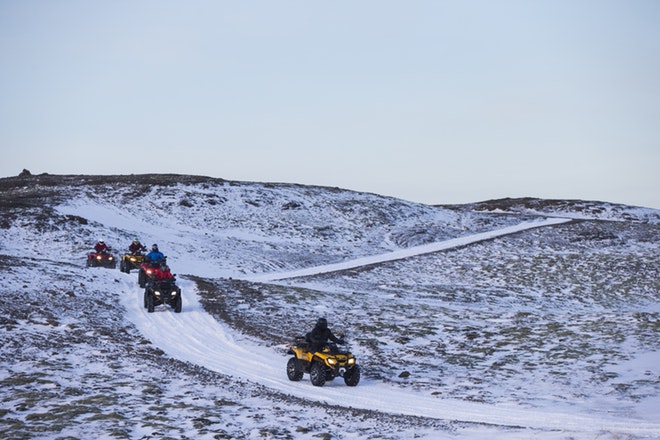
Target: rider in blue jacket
x,y
155,255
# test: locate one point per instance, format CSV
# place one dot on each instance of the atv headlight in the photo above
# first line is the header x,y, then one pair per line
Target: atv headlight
x,y
351,361
98,257
332,361
110,258
156,292
173,293
133,259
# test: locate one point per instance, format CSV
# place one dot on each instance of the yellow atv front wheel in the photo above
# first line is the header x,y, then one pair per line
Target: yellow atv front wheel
x,y
294,370
352,376
318,373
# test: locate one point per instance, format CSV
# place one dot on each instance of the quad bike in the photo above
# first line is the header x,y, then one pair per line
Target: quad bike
x,y
101,259
162,292
323,365
130,261
146,271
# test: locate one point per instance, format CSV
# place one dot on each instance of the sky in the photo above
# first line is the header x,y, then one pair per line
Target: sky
x,y
430,101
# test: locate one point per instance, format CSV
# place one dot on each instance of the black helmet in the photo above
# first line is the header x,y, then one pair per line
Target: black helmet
x,y
154,247
322,323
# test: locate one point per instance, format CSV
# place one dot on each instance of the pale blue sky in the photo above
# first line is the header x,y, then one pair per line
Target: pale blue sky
x,y
431,101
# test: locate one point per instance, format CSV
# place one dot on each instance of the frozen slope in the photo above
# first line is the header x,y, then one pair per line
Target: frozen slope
x,y
550,333
408,252
196,337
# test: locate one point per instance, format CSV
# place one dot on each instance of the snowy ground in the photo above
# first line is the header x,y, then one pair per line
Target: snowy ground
x,y
507,322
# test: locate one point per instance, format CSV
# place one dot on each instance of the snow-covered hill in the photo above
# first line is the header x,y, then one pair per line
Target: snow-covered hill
x,y
517,318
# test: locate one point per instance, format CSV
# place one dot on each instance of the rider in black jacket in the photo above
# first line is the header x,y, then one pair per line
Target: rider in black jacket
x,y
320,335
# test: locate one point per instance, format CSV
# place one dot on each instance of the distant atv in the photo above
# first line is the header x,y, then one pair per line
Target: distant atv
x,y
101,259
130,261
163,292
322,366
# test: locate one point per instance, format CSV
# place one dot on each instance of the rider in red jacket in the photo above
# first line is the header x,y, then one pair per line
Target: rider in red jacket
x,y
162,273
136,247
101,247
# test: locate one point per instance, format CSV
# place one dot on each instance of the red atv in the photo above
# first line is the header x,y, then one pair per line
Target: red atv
x,y
101,259
147,270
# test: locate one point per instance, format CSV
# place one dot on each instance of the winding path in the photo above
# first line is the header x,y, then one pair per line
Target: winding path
x,y
409,252
195,336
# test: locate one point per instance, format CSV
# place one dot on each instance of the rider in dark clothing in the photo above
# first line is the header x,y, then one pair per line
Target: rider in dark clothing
x,y
320,335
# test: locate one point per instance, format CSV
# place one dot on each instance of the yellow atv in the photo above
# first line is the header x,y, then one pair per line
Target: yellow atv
x,y
323,365
130,261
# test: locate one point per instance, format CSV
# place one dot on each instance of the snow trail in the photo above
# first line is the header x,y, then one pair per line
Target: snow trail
x,y
195,336
408,252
